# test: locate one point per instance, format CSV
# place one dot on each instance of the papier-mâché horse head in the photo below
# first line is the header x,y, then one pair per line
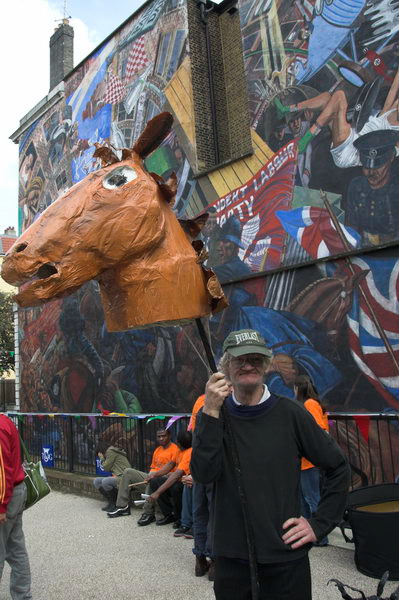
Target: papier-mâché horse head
x,y
117,226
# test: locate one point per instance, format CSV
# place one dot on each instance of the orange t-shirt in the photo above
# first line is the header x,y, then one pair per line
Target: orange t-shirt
x,y
184,461
321,419
199,403
162,456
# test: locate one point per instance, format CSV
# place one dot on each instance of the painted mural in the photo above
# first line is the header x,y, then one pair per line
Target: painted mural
x,y
321,183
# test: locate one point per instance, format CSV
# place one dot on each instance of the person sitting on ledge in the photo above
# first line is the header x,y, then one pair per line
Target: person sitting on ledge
x,y
114,460
164,460
167,490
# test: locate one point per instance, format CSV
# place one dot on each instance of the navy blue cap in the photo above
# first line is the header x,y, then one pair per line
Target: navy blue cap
x,y
376,147
231,231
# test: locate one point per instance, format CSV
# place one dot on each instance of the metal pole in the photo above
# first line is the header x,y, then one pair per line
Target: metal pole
x,y
232,448
70,444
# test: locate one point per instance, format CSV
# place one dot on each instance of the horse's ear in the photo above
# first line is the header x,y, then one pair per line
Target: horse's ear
x,y
193,227
156,130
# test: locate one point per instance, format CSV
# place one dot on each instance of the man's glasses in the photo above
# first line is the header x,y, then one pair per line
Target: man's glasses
x,y
254,361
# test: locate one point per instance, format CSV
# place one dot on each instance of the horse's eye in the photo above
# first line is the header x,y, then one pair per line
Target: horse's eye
x,y
119,177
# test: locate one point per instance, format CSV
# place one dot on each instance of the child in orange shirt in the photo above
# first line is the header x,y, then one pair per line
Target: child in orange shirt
x,y
310,475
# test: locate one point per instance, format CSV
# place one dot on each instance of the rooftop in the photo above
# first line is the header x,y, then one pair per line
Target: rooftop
x,y
7,239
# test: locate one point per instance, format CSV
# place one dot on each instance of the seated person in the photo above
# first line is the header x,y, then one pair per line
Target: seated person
x,y
167,490
114,460
186,521
164,460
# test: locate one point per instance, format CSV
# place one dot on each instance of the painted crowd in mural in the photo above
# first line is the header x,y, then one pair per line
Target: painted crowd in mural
x,y
322,184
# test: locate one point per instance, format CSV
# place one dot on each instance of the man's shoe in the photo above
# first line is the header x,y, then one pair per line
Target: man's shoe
x,y
189,534
182,531
145,520
166,520
119,512
201,566
211,571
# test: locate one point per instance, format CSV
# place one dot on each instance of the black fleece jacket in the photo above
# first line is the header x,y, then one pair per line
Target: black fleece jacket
x,y
271,439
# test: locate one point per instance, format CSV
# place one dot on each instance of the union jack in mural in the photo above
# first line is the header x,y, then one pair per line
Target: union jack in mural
x,y
374,324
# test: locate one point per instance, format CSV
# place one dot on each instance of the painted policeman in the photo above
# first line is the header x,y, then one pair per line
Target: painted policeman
x,y
372,200
231,266
271,433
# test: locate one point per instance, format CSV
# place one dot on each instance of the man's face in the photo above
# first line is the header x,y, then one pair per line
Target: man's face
x,y
163,438
247,371
210,224
279,133
227,251
377,178
294,125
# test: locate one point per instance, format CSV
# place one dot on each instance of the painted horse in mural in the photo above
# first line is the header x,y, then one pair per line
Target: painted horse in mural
x,y
117,226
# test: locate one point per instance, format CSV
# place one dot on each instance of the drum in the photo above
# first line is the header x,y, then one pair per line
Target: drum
x,y
373,514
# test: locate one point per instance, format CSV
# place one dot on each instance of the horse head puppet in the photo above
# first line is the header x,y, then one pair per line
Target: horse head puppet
x,y
117,226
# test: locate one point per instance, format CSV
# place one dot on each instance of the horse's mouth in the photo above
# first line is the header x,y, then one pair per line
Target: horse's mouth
x,y
46,271
34,291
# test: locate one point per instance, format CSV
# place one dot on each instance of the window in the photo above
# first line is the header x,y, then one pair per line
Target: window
x,y
169,52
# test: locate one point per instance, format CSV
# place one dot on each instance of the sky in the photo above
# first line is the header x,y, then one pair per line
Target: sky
x,y
24,46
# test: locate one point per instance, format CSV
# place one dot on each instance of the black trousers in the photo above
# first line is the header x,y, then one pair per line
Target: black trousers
x,y
170,501
282,581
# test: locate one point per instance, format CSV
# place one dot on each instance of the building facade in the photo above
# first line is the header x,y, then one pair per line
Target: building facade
x,y
281,112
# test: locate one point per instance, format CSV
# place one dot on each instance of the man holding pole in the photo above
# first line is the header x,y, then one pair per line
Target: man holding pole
x,y
270,435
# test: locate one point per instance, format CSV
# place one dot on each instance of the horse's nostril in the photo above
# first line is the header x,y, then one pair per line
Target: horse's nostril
x,y
21,247
46,270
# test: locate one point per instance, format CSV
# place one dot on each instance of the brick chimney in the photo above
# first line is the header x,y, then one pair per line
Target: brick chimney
x,y
10,231
61,53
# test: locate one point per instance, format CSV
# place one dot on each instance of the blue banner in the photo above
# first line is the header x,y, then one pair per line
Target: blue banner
x,y
48,456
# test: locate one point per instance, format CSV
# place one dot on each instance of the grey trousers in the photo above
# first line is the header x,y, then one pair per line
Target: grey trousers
x,y
107,483
12,546
132,476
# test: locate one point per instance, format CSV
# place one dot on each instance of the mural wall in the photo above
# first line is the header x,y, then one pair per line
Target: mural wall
x,y
322,183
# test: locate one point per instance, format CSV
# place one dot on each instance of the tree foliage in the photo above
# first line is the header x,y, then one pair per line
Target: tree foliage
x,y
6,334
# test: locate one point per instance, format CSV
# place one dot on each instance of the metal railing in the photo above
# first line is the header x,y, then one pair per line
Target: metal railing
x,y
370,441
74,438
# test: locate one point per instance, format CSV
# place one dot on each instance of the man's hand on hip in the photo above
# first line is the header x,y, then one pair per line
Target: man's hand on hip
x,y
299,532
216,391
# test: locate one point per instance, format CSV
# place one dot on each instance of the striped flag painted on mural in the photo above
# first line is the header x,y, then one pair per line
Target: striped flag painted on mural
x,y
377,307
314,230
137,59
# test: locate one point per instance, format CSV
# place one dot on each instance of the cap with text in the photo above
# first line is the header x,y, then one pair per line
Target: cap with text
x,y
246,341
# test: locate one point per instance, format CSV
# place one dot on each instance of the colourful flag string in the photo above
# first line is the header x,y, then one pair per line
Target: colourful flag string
x,y
158,417
172,420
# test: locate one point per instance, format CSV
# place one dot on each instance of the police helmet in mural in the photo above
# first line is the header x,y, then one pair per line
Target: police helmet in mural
x,y
231,231
376,147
